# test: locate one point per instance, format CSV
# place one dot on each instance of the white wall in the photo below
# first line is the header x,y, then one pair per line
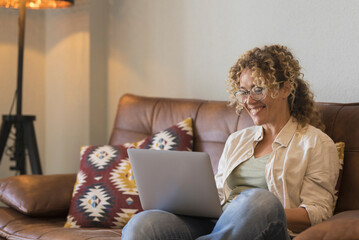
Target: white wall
x,y
76,83
66,87
98,72
184,48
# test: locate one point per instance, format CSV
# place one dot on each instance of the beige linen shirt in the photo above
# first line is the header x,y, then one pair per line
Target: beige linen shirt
x,y
301,172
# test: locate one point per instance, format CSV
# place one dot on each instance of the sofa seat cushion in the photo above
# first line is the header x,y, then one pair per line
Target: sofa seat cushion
x,y
15,225
105,193
344,225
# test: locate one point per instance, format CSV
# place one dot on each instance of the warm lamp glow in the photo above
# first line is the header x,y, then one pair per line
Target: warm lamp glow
x,y
25,138
37,4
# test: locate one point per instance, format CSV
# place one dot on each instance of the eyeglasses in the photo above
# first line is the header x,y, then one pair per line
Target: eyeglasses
x,y
256,93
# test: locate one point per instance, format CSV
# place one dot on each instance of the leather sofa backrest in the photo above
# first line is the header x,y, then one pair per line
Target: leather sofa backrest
x,y
138,117
342,125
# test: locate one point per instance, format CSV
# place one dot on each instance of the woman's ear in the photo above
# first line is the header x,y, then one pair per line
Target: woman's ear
x,y
285,90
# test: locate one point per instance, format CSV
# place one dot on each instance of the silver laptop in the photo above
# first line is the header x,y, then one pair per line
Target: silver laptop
x,y
176,181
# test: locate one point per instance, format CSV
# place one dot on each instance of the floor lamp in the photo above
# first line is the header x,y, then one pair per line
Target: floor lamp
x,y
25,132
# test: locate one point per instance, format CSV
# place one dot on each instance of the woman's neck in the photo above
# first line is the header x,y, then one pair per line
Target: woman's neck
x,y
272,130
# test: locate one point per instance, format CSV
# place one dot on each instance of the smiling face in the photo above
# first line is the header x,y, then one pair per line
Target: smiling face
x,y
269,112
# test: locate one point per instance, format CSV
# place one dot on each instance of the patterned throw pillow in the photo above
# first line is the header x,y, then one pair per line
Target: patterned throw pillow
x,y
340,148
105,192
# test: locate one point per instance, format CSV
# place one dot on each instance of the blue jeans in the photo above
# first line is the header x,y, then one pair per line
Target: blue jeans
x,y
254,214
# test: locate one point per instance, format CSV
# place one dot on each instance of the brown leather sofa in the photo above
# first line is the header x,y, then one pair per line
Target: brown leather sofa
x,y
40,203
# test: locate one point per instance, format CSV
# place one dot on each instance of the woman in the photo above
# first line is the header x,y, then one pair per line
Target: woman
x,y
274,179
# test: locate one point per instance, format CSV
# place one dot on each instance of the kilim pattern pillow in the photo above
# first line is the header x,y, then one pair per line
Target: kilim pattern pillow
x,y
340,148
105,192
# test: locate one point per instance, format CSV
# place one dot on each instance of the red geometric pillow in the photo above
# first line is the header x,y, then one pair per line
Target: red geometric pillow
x,y
340,148
105,192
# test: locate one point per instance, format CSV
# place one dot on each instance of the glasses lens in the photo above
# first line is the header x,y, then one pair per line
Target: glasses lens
x,y
241,96
256,93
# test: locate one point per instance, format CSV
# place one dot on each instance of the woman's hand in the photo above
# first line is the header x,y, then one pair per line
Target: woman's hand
x,y
297,219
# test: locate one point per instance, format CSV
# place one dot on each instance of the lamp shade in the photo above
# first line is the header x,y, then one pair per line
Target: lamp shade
x,y
37,4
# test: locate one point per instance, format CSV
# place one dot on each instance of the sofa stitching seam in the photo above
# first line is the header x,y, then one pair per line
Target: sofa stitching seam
x,y
153,113
335,119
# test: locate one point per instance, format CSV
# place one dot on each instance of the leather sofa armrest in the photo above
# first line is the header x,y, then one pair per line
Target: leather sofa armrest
x,y
344,225
38,195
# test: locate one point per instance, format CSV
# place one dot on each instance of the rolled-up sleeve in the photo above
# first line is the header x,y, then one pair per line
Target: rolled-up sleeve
x,y
220,171
318,189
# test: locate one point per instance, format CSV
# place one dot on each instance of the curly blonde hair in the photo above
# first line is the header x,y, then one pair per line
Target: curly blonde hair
x,y
271,66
